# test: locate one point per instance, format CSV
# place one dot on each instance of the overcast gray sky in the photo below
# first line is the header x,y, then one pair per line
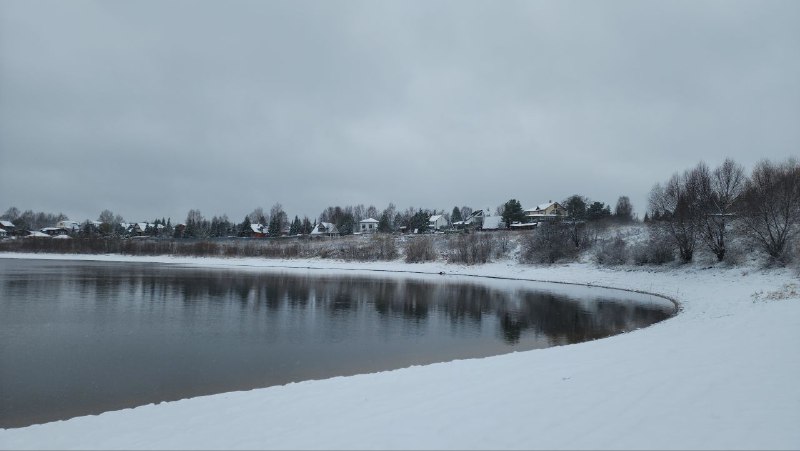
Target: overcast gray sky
x,y
150,108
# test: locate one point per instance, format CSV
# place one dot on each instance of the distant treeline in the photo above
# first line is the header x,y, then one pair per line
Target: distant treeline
x,y
698,208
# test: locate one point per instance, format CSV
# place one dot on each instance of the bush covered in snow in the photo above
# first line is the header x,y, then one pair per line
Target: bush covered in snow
x,y
612,252
420,249
549,243
470,249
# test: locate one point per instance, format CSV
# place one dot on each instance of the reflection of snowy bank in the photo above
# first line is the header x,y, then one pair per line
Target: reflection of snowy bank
x,y
722,374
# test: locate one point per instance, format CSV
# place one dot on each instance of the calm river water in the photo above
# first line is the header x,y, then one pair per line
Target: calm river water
x,y
80,338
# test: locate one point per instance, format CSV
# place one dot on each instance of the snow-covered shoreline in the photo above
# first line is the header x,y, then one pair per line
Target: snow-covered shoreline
x,y
721,374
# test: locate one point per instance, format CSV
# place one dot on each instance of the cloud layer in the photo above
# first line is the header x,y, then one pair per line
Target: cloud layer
x,y
151,108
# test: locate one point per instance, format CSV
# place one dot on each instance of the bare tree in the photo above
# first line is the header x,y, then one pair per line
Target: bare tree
x,y
770,206
358,212
279,220
257,216
623,212
679,202
718,194
372,212
11,214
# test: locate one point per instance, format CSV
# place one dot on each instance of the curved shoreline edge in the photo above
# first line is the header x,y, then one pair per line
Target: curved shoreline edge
x,y
721,371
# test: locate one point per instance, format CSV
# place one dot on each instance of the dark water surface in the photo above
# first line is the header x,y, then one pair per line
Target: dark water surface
x,y
80,338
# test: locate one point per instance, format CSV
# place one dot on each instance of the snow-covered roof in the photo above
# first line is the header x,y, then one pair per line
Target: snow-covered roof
x,y
3,231
324,228
67,224
369,220
35,234
542,206
142,226
521,225
257,228
7,223
435,218
492,222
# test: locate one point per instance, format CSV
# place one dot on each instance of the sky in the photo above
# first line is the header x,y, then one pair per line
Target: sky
x,y
152,108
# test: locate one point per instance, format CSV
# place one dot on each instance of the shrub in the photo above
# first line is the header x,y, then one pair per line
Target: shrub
x,y
420,249
501,245
612,252
549,243
658,250
470,248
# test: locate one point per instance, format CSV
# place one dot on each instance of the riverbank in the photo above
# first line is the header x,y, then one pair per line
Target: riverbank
x,y
721,374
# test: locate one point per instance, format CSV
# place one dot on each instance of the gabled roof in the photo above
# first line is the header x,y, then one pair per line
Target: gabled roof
x,y
323,228
7,224
257,228
369,220
542,206
435,218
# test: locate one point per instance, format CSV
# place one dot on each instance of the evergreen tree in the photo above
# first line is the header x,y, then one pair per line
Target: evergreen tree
x,y
346,224
512,212
383,223
244,227
296,226
274,228
455,216
597,211
419,221
576,207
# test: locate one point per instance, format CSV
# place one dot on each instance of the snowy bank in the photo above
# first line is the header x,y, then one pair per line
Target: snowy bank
x,y
722,374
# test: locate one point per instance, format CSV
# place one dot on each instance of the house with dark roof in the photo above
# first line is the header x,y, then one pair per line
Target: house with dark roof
x,y
325,229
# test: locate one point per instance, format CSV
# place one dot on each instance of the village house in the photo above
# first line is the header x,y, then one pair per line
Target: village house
x,y
545,212
473,221
54,231
258,231
325,229
71,226
437,222
492,223
8,226
368,225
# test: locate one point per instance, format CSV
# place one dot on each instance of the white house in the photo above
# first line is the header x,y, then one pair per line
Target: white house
x,y
325,229
368,225
437,222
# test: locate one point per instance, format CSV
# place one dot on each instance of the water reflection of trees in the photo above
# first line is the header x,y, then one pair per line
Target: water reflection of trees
x,y
515,313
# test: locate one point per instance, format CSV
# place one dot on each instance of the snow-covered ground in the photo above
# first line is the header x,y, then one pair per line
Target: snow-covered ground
x,y
723,373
